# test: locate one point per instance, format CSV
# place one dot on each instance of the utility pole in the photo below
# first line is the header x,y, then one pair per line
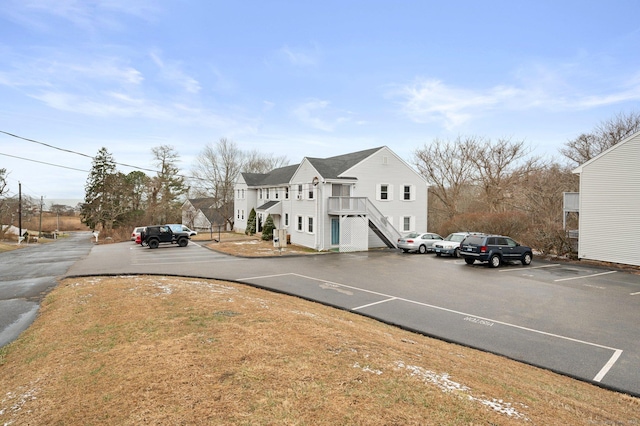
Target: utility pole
x,y
40,227
19,211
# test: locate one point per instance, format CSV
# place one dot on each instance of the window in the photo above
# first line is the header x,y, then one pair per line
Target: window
x,y
406,194
406,223
384,192
260,193
299,223
238,214
267,193
277,193
311,191
310,225
286,219
299,192
286,193
242,214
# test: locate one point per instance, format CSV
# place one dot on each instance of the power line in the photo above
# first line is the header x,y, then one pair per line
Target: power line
x,y
43,162
81,154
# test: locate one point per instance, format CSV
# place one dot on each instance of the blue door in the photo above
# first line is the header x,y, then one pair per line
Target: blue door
x,y
335,231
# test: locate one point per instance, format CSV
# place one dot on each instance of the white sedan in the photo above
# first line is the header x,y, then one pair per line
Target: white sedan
x,y
451,244
421,242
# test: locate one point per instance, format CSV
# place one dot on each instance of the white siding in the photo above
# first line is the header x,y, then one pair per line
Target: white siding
x,y
305,207
375,171
610,205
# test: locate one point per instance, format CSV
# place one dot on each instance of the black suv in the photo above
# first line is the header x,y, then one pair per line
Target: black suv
x,y
494,249
152,236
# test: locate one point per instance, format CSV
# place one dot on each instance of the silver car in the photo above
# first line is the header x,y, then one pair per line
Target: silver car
x,y
421,242
451,244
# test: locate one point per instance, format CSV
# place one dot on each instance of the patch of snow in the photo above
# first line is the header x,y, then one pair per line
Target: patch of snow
x,y
367,369
445,384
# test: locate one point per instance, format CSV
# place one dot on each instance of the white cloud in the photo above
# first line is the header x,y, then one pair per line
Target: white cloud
x,y
300,57
432,100
317,115
86,14
173,73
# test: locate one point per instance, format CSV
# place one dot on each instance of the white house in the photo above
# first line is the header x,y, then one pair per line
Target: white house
x,y
609,217
201,214
350,202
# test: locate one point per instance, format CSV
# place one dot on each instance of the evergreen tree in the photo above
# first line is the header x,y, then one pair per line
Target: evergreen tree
x,y
166,187
97,206
267,229
251,223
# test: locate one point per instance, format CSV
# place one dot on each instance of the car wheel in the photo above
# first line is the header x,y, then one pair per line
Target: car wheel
x,y
182,242
422,249
405,251
456,253
526,259
469,260
494,261
153,244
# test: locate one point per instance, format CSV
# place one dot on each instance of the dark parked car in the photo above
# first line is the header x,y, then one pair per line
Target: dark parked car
x,y
153,236
494,249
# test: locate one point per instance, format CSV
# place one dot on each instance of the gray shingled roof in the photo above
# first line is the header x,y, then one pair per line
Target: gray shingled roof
x,y
329,168
278,176
332,167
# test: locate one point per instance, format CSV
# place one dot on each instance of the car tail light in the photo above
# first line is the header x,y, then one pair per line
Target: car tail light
x,y
410,241
483,249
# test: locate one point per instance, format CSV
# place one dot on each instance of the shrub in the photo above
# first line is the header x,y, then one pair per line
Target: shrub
x,y
251,223
267,229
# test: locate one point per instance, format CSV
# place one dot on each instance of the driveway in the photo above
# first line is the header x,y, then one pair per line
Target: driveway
x,y
577,320
27,274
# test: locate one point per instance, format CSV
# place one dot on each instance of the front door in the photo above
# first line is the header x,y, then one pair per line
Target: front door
x,y
335,231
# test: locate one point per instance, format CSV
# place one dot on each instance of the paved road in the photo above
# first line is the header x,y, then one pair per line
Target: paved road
x,y
577,320
27,274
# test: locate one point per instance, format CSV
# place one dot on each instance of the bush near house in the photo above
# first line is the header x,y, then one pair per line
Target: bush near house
x,y
267,229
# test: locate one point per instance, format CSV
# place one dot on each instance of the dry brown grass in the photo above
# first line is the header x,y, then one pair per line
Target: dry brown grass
x,y
154,350
250,245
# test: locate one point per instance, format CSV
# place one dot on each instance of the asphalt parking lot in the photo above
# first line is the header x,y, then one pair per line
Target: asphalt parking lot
x,y
574,319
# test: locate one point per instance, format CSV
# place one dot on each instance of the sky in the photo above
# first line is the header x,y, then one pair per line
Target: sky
x,y
300,79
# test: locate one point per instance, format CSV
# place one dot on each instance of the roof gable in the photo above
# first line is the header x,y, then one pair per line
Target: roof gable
x,y
636,135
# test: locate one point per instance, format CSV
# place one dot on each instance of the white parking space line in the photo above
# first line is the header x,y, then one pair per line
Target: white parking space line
x,y
584,276
531,267
388,298
608,365
374,303
634,294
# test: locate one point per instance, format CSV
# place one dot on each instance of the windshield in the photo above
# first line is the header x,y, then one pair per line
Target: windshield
x,y
412,235
455,237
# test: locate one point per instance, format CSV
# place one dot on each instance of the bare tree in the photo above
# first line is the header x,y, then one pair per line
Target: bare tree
x,y
217,168
446,165
256,162
501,167
602,137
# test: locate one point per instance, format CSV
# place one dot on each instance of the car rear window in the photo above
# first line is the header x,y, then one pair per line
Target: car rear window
x,y
473,240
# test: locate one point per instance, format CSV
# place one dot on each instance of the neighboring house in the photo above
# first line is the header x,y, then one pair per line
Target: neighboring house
x,y
609,213
200,214
11,230
350,202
